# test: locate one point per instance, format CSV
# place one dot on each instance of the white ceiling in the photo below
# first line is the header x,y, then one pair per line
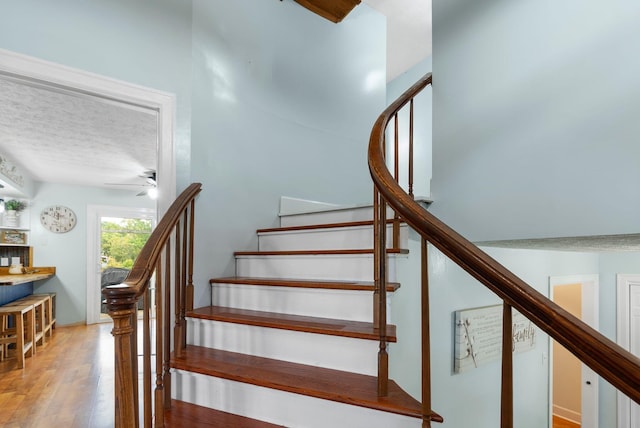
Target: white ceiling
x,y
408,32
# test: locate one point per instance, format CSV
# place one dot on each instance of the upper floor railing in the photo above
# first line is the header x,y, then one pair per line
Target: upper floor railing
x,y
614,364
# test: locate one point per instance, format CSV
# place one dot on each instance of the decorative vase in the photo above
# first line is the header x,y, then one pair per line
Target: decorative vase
x,y
11,218
16,269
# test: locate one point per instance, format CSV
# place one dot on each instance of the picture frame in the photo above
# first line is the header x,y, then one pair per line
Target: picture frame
x,y
13,237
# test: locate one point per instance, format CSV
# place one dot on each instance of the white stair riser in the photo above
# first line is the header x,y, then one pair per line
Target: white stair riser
x,y
279,407
364,213
339,304
334,352
329,267
360,237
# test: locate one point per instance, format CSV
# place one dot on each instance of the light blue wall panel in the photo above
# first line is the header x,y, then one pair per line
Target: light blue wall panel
x,y
281,107
535,117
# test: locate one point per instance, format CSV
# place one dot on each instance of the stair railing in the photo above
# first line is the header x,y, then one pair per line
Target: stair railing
x,y
614,364
166,262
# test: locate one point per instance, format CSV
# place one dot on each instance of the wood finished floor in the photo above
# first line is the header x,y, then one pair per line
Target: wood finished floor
x,y
563,423
68,383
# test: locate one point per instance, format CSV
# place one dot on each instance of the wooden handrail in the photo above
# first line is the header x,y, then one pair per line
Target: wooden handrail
x,y
605,357
122,307
148,257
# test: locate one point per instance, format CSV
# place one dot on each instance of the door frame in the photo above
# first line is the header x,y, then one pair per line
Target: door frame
x,y
110,90
590,315
624,284
94,214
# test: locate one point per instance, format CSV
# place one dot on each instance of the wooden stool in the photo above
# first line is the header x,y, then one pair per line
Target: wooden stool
x,y
47,317
40,304
20,334
52,312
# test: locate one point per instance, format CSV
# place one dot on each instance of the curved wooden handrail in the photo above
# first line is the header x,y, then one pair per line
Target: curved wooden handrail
x,y
605,357
147,260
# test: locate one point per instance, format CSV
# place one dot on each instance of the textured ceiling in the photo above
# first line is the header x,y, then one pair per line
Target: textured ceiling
x,y
60,136
601,243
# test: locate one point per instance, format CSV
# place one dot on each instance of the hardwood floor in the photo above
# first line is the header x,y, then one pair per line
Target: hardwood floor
x,y
68,383
563,423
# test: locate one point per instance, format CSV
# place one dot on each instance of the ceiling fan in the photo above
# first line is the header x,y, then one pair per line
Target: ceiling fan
x,y
150,184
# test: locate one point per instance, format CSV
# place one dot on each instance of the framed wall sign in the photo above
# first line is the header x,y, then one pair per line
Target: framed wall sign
x,y
478,336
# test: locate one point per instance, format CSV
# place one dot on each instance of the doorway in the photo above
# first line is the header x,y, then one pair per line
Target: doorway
x,y
82,84
573,387
628,327
115,237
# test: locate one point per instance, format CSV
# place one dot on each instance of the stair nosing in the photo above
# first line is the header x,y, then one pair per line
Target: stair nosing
x,y
304,283
299,323
282,382
339,225
344,252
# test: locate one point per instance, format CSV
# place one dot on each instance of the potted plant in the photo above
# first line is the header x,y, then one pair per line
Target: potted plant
x,y
12,207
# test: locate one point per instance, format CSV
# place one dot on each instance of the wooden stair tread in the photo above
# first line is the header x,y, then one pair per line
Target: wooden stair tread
x,y
183,414
304,283
318,252
319,382
328,326
321,226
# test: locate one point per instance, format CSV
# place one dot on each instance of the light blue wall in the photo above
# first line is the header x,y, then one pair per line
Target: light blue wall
x,y
68,251
265,107
472,399
535,117
281,107
421,128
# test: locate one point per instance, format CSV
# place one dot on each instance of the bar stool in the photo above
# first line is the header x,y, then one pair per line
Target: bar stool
x,y
40,304
20,334
52,312
47,317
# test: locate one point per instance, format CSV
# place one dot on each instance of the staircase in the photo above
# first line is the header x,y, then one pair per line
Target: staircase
x,y
290,340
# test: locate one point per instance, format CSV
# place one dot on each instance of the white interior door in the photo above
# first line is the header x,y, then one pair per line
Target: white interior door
x,y
590,315
628,327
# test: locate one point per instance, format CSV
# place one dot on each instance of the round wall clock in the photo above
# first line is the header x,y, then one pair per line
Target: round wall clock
x,y
58,219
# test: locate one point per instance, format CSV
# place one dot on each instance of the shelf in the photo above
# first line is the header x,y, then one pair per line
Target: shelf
x,y
22,229
13,245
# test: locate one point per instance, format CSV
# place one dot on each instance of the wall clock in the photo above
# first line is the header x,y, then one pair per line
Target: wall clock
x,y
58,219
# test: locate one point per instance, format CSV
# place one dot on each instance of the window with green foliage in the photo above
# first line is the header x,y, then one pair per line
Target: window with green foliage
x,y
122,239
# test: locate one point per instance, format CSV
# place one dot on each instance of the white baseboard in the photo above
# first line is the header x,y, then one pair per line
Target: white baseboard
x,y
568,414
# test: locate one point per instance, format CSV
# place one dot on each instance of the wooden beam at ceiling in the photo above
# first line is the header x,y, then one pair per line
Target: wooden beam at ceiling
x,y
333,10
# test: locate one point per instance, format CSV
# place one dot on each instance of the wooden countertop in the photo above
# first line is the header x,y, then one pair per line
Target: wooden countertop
x,y
33,274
